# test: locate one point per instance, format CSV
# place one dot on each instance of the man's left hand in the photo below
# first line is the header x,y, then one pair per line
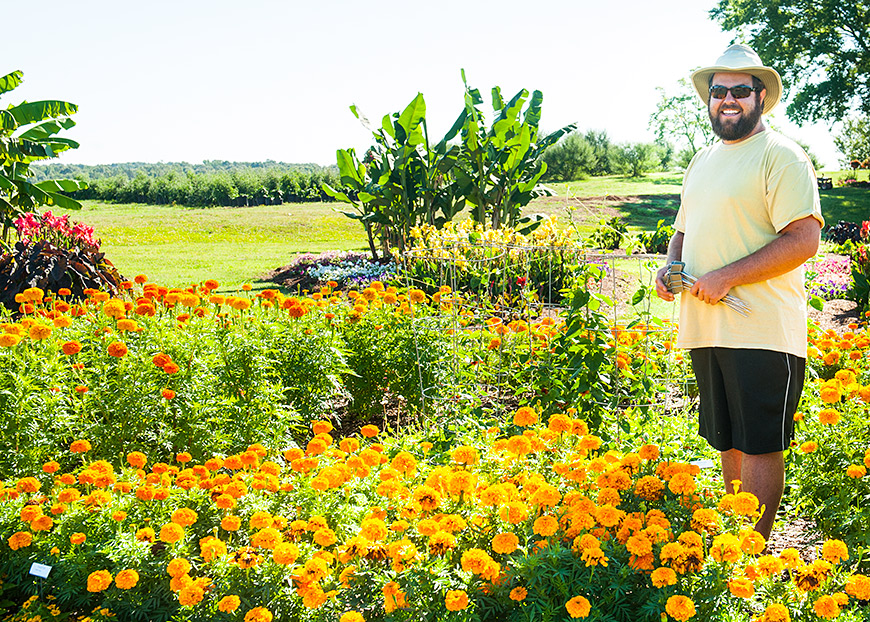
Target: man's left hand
x,y
712,287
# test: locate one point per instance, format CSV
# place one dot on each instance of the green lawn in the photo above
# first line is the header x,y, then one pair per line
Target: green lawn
x,y
178,245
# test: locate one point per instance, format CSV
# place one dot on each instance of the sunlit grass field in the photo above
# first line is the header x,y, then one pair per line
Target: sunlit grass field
x,y
177,245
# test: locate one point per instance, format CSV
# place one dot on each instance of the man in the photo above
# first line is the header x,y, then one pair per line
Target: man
x,y
749,218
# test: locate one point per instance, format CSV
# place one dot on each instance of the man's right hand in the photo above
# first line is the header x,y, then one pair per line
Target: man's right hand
x,y
661,288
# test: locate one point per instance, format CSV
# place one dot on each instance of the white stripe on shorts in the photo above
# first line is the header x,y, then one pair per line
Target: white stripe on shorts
x,y
785,402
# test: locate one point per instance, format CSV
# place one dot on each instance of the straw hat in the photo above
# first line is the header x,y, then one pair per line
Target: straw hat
x,y
740,59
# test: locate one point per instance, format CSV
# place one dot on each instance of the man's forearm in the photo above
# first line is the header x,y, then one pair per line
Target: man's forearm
x,y
675,247
797,242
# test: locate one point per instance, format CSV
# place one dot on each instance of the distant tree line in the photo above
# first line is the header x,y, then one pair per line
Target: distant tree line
x,y
212,183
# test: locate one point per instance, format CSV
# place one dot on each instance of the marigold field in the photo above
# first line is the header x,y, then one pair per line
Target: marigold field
x,y
174,454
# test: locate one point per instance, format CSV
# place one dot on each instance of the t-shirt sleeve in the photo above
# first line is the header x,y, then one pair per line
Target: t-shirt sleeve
x,y
792,192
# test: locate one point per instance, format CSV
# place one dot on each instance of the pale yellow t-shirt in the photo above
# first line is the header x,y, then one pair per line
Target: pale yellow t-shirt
x,y
735,200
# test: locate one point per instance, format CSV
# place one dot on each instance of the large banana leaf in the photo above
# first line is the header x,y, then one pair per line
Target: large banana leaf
x,y
10,81
33,112
47,129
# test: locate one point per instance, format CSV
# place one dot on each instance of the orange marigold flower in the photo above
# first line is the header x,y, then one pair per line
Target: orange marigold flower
x,y
171,533
99,580
835,551
136,459
456,600
745,504
741,587
662,577
228,604
71,347
578,607
809,447
858,585
38,332
465,454
117,349
505,543
856,471
20,540
546,526
184,517
519,594
77,538
776,613
352,616
369,431
525,417
680,607
829,416
80,446
826,607
127,579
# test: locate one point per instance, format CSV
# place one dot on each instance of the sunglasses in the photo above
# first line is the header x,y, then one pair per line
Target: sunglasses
x,y
739,92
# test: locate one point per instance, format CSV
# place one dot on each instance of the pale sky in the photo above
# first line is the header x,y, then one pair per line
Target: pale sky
x,y
193,80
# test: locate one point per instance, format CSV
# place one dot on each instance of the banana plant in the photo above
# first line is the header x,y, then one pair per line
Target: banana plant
x,y
499,168
405,181
28,132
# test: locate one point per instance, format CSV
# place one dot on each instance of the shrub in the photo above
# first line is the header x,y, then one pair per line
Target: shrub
x,y
609,233
573,157
637,159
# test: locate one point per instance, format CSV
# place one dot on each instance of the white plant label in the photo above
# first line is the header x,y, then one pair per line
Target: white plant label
x,y
40,570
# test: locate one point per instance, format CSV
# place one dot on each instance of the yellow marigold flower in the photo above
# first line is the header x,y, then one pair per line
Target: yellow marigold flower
x,y
127,579
269,537
117,349
171,533
20,540
858,585
680,608
829,416
352,616
745,504
99,580
578,607
258,614
776,613
856,471
456,600
662,577
525,417
741,587
514,512
228,604
519,445
80,446
184,517
466,455
826,607
519,594
751,542
231,523
285,553
505,543
835,551
546,526
324,537
38,332
8,340
649,487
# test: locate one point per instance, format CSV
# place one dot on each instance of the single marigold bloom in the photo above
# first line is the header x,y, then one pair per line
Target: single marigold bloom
x,y
465,454
369,431
578,607
38,332
77,538
546,526
178,567
167,394
662,577
127,579
809,447
228,604
856,471
146,534
325,537
745,504
285,553
20,540
829,416
456,600
8,340
514,512
99,581
680,608
117,349
519,594
184,517
649,487
171,533
826,607
80,446
741,587
835,551
858,585
136,459
776,613
71,347
525,417
505,543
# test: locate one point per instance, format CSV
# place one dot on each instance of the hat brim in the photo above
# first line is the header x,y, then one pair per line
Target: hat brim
x,y
770,78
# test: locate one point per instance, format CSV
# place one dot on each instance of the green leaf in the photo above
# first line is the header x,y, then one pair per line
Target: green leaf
x,y
7,121
638,296
64,201
817,303
497,99
411,118
47,128
336,194
347,167
33,112
61,185
10,81
5,184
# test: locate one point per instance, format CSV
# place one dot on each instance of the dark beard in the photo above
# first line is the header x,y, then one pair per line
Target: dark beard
x,y
739,130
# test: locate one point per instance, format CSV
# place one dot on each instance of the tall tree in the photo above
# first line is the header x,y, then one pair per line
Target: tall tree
x,y
682,118
821,48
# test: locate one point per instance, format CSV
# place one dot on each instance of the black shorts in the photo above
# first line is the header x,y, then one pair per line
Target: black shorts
x,y
748,397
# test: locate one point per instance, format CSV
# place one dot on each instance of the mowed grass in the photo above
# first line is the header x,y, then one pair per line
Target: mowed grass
x,y
176,246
